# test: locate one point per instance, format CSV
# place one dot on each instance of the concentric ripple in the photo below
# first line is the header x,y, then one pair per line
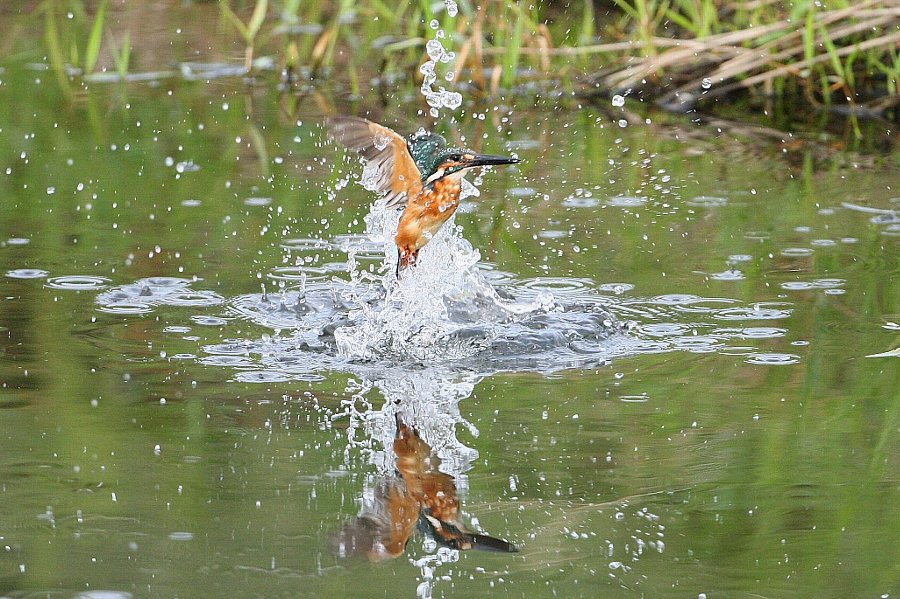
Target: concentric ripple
x,y
144,295
26,273
77,282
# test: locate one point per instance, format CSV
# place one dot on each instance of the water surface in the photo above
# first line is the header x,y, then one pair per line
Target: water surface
x,y
659,363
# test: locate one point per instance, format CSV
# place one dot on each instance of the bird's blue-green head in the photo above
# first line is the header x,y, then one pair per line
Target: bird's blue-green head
x,y
436,160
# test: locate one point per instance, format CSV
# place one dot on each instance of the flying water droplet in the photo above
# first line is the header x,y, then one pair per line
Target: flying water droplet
x,y
381,141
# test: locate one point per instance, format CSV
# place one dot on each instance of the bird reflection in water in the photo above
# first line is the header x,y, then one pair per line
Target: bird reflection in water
x,y
417,495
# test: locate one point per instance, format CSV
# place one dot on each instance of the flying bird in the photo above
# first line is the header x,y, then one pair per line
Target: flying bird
x,y
420,173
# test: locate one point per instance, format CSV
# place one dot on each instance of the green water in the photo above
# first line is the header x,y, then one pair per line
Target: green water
x,y
135,460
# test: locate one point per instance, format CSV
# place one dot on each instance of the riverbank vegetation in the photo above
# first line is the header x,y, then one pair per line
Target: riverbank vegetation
x,y
812,56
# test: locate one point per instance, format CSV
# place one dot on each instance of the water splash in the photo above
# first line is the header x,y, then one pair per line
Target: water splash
x,y
439,97
424,310
450,311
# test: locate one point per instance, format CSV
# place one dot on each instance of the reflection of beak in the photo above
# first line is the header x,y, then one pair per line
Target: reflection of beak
x,y
449,535
489,160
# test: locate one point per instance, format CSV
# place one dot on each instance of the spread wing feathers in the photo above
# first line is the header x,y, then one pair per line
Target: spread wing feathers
x,y
390,170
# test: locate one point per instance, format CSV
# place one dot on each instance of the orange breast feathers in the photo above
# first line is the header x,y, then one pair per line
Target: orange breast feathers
x,y
425,214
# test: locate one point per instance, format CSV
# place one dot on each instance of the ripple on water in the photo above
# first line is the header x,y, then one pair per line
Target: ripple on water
x,y
797,285
552,234
557,284
146,294
731,274
891,231
230,347
209,321
18,241
103,594
178,329
228,361
521,192
760,311
298,273
888,218
276,376
580,202
829,285
627,201
752,332
772,359
694,304
676,299
494,275
707,201
194,298
305,244
698,344
77,282
664,329
617,288
262,376
359,244
26,273
634,398
762,332
796,252
126,307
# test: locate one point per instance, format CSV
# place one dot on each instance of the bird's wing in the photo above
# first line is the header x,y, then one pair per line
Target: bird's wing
x,y
390,170
384,525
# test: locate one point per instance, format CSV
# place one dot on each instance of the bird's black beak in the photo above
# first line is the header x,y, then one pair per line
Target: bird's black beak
x,y
488,160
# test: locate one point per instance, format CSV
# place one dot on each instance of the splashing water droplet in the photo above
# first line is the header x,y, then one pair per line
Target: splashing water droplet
x,y
452,100
381,142
437,54
706,83
618,101
435,49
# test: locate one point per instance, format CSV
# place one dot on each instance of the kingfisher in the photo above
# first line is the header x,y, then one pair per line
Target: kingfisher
x,y
419,496
420,173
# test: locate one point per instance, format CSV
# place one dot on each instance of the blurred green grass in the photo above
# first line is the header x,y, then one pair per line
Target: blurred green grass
x,y
832,56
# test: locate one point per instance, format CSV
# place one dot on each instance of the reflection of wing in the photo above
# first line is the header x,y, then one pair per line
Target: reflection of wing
x,y
381,531
420,469
393,171
421,495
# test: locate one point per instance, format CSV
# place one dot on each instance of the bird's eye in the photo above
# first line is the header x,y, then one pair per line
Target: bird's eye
x,y
456,157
